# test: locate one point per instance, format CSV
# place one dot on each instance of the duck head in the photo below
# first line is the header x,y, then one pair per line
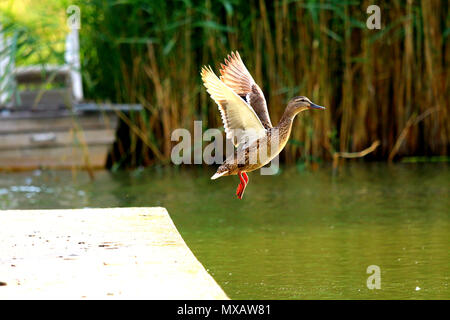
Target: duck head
x,y
301,103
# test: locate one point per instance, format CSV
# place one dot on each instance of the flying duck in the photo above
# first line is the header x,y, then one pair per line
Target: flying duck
x,y
246,119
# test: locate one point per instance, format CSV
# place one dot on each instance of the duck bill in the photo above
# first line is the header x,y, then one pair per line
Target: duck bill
x,y
315,106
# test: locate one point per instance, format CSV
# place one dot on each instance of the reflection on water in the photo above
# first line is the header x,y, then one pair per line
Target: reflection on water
x,y
297,235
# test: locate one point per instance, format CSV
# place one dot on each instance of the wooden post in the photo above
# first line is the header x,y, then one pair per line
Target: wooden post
x,y
6,68
72,57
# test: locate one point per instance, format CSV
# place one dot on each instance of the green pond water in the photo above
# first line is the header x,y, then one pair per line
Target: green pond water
x,y
296,235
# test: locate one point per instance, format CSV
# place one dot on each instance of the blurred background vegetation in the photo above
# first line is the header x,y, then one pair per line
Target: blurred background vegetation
x,y
389,85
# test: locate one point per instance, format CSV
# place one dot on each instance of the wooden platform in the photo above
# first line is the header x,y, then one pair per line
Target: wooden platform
x,y
55,139
118,253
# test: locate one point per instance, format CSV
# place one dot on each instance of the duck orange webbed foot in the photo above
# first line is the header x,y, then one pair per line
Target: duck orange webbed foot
x,y
241,187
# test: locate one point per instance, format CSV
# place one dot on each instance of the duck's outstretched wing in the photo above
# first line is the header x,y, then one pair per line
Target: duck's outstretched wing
x,y
236,76
240,121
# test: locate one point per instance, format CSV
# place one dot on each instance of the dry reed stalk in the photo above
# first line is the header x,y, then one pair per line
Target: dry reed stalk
x,y
412,121
352,155
371,81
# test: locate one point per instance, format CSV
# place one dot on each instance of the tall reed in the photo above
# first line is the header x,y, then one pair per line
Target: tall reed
x,y
371,81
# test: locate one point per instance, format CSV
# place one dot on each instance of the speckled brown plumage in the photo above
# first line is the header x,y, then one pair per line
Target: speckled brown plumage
x,y
263,149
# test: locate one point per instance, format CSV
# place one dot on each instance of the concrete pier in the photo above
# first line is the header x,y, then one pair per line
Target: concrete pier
x,y
117,253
